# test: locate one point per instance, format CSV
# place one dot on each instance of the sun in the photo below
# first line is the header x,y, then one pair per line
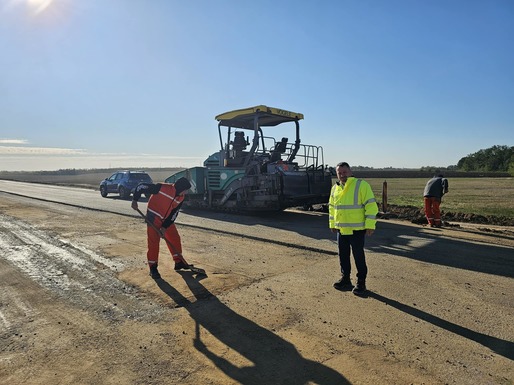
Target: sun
x,y
39,5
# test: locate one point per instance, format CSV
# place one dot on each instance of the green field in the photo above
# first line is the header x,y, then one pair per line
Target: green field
x,y
480,195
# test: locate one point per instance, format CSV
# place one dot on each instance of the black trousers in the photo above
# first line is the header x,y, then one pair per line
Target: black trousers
x,y
354,241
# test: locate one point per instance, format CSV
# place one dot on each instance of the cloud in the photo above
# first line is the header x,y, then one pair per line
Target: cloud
x,y
15,156
44,159
12,150
84,160
13,141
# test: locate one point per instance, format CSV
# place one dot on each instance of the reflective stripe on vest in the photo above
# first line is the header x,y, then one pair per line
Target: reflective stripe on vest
x,y
351,214
162,203
341,225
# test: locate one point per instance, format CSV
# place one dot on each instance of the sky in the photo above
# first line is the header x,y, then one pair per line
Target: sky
x,y
137,83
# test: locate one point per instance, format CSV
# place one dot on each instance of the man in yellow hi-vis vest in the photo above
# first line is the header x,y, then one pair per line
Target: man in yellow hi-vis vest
x,y
352,215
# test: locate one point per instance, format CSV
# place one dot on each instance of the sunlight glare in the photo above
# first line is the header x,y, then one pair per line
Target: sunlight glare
x,y
39,6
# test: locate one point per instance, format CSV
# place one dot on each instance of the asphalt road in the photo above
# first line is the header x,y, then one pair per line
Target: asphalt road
x,y
488,253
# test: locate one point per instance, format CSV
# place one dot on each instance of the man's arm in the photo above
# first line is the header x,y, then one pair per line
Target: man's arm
x,y
144,188
172,217
445,186
331,211
370,209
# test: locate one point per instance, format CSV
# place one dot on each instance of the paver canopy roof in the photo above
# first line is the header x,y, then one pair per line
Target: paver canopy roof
x,y
268,116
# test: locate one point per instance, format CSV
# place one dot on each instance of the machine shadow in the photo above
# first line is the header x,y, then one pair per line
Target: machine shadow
x,y
406,241
501,347
308,223
274,360
414,243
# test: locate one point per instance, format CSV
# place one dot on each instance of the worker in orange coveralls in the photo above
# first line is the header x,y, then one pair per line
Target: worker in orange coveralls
x,y
432,195
163,207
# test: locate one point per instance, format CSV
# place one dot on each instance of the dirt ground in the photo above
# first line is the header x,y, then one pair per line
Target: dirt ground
x,y
417,215
77,307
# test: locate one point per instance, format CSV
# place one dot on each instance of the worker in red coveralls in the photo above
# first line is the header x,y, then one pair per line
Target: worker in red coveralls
x,y
163,207
432,195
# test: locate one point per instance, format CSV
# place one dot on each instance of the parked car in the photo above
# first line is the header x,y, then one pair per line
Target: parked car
x,y
123,183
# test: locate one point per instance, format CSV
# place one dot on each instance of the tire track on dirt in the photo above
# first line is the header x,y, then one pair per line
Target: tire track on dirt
x,y
72,271
279,237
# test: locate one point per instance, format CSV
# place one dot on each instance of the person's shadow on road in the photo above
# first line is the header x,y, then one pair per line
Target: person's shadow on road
x,y
502,347
275,360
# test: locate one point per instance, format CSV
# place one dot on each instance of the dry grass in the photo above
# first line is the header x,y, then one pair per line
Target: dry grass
x,y
482,196
87,179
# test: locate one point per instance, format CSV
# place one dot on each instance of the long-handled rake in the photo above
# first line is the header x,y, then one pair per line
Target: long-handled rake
x,y
194,269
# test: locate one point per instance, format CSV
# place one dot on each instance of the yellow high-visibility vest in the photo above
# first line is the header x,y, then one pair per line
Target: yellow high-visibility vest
x,y
352,207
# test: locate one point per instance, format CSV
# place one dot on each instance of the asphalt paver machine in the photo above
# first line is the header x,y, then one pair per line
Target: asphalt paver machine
x,y
254,171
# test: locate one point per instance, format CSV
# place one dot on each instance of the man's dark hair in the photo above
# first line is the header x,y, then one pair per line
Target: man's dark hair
x,y
182,184
343,164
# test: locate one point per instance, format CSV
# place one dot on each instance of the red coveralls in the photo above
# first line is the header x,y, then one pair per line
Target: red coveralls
x,y
433,211
434,191
160,206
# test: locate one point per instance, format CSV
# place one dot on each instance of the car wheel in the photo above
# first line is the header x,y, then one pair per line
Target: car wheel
x,y
103,191
124,193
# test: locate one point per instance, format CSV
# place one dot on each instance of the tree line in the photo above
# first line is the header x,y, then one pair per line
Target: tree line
x,y
496,159
493,161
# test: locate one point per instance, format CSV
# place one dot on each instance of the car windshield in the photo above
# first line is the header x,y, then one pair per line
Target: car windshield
x,y
141,177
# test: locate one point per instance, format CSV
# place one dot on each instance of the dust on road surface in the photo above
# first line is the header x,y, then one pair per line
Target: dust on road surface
x,y
77,306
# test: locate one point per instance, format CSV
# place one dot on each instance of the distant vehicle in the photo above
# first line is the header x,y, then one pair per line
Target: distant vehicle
x,y
123,183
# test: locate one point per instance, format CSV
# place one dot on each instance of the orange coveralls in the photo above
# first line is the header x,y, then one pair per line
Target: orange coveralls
x,y
434,191
160,206
432,210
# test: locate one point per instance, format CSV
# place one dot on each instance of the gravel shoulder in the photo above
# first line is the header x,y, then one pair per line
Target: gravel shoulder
x,y
77,305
